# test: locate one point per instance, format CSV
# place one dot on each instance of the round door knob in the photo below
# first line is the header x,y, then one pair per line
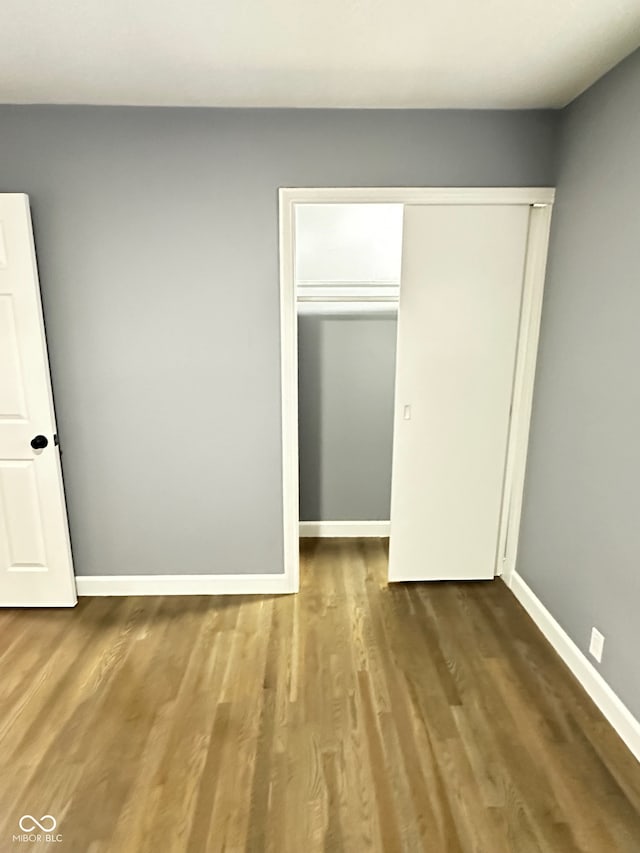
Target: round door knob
x,y
39,442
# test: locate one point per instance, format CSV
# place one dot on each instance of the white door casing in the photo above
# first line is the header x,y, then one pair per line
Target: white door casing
x,y
35,556
458,323
540,200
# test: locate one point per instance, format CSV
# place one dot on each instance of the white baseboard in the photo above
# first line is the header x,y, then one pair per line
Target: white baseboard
x,y
326,529
607,701
183,585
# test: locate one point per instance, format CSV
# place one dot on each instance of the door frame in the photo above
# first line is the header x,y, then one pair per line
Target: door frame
x,y
540,199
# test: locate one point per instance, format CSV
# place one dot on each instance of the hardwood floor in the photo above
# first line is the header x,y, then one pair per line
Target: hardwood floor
x,y
352,717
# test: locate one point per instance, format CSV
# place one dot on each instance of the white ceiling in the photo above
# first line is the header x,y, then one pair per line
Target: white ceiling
x,y
311,53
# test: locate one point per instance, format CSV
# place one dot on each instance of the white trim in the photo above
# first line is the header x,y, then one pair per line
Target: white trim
x,y
46,602
183,585
288,198
329,529
417,195
523,384
289,391
616,712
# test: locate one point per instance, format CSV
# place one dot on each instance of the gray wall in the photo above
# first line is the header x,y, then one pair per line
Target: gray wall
x,y
580,540
345,403
157,236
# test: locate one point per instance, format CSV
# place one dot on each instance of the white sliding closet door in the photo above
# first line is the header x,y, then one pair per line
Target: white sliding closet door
x,y
460,298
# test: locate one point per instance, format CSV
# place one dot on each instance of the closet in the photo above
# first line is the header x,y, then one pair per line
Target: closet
x,y
348,280
469,291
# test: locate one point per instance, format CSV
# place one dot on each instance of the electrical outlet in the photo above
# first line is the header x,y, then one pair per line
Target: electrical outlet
x,y
596,645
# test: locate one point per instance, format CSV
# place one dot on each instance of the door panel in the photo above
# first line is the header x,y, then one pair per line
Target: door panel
x,y
12,404
460,298
35,555
20,519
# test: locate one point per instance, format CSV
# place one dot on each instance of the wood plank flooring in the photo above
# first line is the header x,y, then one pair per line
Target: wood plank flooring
x,y
351,717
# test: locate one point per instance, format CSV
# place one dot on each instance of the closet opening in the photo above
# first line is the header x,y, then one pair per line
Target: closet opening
x,y
347,281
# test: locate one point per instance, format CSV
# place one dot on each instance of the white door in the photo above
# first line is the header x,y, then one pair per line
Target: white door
x,y
460,298
35,556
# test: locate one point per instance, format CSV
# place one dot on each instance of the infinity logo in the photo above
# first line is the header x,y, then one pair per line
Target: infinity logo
x,y
47,823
